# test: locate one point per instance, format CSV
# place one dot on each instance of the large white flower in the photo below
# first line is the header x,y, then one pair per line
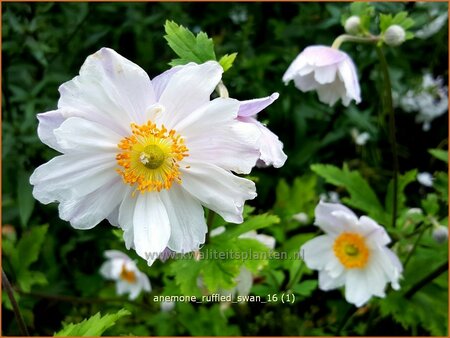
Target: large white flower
x,y
146,154
327,70
270,147
120,268
352,252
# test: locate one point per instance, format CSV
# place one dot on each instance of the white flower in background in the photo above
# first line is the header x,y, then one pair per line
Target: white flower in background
x,y
244,281
425,179
330,196
121,269
167,306
414,211
301,217
270,147
432,27
360,138
146,155
440,234
352,252
429,101
328,71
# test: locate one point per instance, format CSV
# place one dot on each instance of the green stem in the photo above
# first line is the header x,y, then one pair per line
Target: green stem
x,y
351,38
427,279
414,247
388,106
296,277
9,290
349,314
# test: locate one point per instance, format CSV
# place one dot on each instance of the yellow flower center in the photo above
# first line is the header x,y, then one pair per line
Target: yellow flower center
x,y
127,275
351,250
150,157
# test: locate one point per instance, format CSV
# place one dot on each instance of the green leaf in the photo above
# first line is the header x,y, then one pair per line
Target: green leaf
x,y
305,288
362,195
94,326
403,181
25,199
400,19
252,223
28,248
227,60
187,46
431,204
439,154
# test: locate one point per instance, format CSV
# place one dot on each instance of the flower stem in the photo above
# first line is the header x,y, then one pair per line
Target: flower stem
x,y
424,281
296,277
9,290
415,246
389,108
351,38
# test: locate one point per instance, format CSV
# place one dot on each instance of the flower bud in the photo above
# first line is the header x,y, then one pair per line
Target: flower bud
x,y
440,234
394,35
352,25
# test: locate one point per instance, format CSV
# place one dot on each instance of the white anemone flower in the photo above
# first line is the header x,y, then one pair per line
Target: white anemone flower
x,y
425,178
270,147
146,154
328,71
352,252
123,270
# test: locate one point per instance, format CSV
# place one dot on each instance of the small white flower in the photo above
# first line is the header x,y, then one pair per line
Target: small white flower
x,y
425,179
270,147
121,269
328,71
432,27
330,196
440,234
167,306
359,138
394,35
352,252
146,154
301,217
352,24
414,211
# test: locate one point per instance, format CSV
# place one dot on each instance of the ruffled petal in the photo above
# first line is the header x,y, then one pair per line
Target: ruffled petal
x,y
333,217
110,90
357,287
326,74
317,252
326,282
79,135
151,226
218,189
86,212
253,107
160,82
214,135
126,215
72,176
347,73
187,220
48,122
189,89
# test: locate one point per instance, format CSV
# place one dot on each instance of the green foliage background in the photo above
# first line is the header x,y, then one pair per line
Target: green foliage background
x,y
56,267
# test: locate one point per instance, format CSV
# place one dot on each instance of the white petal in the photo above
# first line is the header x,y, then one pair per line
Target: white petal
x,y
106,270
151,226
306,83
317,252
48,122
330,93
189,89
122,287
77,134
244,282
87,211
135,290
330,217
126,215
267,240
112,254
347,73
375,234
357,289
326,282
326,74
72,176
218,189
187,220
144,281
160,82
271,148
214,135
110,90
253,107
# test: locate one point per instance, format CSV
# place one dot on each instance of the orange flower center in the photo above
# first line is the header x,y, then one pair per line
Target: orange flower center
x,y
127,275
150,157
351,250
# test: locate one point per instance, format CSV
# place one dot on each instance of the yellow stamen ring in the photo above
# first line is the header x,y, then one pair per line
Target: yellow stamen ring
x,y
127,275
351,250
150,157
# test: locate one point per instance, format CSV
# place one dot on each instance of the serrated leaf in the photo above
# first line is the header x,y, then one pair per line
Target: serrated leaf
x,y
362,195
252,223
187,46
439,154
25,199
186,272
28,248
227,60
305,288
94,326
